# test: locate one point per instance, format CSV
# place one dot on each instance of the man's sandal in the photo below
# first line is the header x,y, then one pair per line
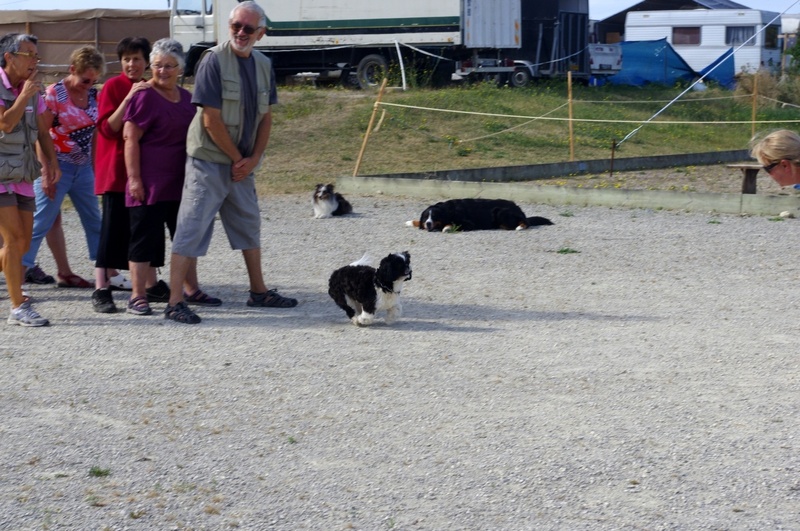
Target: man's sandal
x,y
270,299
181,313
201,298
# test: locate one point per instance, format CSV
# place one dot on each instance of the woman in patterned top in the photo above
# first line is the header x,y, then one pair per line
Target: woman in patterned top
x,y
71,117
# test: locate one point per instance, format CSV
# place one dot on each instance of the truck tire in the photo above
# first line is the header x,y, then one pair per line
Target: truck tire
x,y
520,78
371,71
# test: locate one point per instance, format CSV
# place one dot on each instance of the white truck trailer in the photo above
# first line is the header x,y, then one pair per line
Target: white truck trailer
x,y
359,39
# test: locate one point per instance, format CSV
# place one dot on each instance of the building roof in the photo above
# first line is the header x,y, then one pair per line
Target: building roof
x,y
618,19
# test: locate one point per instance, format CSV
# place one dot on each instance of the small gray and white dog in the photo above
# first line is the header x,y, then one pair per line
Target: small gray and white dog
x,y
327,202
362,291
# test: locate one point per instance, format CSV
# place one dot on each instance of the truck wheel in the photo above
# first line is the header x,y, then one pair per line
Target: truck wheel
x,y
520,78
371,71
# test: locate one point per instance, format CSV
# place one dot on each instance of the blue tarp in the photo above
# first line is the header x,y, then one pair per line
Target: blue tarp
x,y
651,62
657,62
724,74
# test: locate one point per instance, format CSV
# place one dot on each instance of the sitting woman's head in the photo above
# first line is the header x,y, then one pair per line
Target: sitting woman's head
x,y
779,153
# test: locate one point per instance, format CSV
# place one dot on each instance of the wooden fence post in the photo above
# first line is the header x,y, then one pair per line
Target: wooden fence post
x,y
369,127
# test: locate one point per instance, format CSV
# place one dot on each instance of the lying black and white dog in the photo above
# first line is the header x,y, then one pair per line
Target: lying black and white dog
x,y
475,214
362,291
328,202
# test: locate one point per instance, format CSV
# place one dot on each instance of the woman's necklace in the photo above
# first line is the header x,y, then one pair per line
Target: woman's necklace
x,y
79,99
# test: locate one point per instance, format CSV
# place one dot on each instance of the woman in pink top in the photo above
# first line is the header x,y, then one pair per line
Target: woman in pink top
x,y
22,125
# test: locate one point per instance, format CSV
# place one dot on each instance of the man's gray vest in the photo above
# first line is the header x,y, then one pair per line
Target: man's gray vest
x,y
198,143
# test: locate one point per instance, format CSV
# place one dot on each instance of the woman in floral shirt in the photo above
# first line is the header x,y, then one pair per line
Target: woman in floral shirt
x,y
71,116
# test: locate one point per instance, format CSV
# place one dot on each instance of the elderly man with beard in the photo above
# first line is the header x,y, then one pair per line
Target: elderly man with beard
x,y
234,89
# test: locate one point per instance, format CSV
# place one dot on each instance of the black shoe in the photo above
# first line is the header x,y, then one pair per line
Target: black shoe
x,y
35,275
158,293
103,301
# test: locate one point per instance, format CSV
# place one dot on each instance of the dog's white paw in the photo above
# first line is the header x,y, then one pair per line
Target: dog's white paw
x,y
410,223
448,228
393,315
365,319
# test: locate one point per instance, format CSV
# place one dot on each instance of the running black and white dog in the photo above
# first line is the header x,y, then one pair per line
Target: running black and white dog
x,y
475,214
328,202
362,291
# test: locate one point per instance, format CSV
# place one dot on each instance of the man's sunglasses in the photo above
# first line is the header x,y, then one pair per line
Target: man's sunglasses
x,y
249,30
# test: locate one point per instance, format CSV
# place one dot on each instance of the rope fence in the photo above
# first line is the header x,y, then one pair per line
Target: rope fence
x,y
571,120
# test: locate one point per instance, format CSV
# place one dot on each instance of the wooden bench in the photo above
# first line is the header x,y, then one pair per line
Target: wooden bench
x,y
750,172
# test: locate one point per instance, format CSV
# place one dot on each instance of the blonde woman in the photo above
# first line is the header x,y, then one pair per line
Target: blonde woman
x,y
779,153
71,118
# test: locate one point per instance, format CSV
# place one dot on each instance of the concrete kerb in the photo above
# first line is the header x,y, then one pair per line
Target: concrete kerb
x,y
507,183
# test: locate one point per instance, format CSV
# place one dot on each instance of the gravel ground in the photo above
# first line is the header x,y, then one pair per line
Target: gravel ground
x,y
622,369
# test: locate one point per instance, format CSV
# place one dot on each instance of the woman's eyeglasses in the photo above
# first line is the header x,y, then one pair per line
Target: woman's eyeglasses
x,y
249,30
769,167
165,68
29,55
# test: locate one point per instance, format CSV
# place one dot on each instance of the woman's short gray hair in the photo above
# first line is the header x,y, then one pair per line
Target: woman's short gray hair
x,y
168,48
10,43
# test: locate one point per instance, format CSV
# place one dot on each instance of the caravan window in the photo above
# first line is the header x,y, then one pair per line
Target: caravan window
x,y
689,35
771,37
736,35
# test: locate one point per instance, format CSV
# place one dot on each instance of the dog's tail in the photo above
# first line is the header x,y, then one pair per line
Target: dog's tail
x,y
366,260
535,221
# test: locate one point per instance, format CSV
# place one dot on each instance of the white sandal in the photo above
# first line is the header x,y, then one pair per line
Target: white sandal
x,y
119,282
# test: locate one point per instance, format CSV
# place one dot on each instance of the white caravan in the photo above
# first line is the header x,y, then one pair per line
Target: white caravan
x,y
701,36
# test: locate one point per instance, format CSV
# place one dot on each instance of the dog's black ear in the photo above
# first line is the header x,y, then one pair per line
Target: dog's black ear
x,y
384,275
330,185
422,219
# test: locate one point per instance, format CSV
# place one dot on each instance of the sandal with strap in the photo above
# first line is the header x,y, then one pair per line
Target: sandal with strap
x,y
270,299
181,313
201,298
73,281
139,306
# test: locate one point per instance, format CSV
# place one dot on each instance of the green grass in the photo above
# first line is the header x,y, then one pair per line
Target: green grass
x,y
317,133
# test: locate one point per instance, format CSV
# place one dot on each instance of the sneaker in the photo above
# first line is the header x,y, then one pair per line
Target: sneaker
x,y
103,302
158,293
35,275
119,282
26,316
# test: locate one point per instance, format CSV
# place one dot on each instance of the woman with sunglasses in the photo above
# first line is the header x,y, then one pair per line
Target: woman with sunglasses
x,y
779,153
71,117
23,126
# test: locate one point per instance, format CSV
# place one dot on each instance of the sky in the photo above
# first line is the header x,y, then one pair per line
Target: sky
x,y
598,9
